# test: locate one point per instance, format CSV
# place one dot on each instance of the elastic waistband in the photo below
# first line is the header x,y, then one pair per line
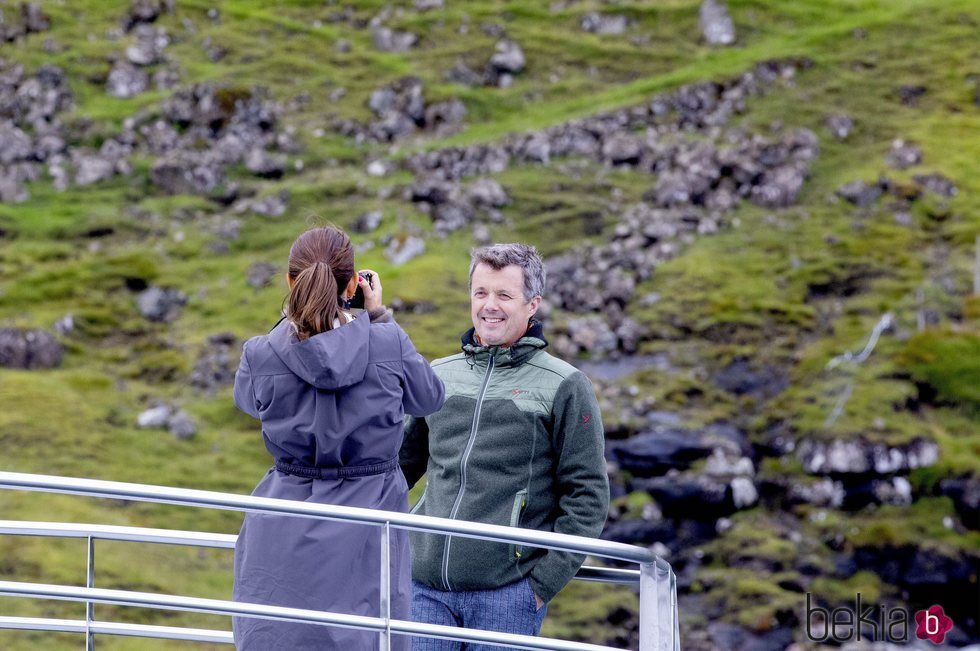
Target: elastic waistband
x,y
341,472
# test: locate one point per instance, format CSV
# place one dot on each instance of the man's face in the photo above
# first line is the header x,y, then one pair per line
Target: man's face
x,y
500,313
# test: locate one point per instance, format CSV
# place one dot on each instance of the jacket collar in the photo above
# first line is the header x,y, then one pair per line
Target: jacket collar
x,y
522,350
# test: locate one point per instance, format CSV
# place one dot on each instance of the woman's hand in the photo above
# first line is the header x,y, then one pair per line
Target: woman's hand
x,y
372,290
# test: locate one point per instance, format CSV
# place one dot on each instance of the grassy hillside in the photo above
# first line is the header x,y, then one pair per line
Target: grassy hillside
x,y
787,288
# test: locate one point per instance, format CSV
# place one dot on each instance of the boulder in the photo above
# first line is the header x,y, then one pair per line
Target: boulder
x,y
29,349
605,24
126,80
161,304
508,57
654,453
716,23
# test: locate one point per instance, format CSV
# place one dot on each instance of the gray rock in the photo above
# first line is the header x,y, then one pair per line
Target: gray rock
x,y
216,362
823,492
859,193
427,5
486,192
91,169
402,249
593,335
779,187
161,304
154,418
182,426
744,493
460,73
143,11
716,23
33,18
622,149
840,126
936,183
15,145
126,80
264,164
388,40
148,48
863,457
903,155
508,57
29,349
368,222
12,189
606,24
260,274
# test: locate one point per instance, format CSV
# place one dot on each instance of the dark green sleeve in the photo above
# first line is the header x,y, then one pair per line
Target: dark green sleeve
x,y
414,455
581,480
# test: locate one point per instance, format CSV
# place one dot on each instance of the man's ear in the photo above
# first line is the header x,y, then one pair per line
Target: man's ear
x,y
533,305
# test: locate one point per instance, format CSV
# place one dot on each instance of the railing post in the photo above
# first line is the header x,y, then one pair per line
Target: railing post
x,y
649,631
89,606
385,610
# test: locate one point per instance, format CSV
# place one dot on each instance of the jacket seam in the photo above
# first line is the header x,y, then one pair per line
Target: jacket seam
x,y
550,370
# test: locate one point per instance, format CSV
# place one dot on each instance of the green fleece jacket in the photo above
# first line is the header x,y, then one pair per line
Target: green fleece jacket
x,y
518,442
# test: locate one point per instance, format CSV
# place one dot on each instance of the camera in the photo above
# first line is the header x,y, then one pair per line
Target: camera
x,y
358,299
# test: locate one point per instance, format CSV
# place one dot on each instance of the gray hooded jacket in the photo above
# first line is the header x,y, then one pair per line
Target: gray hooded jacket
x,y
335,400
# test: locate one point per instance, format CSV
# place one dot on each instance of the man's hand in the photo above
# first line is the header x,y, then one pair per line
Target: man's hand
x,y
538,602
372,290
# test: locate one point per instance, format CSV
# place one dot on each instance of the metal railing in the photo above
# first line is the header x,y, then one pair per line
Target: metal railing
x,y
658,593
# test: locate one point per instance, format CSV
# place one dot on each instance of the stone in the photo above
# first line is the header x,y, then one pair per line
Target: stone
x,y
402,249
605,24
388,40
264,164
260,274
716,23
216,362
15,145
142,11
126,80
90,169
368,222
148,48
29,349
427,5
160,304
155,417
181,425
654,453
859,193
903,155
840,126
937,184
486,192
508,57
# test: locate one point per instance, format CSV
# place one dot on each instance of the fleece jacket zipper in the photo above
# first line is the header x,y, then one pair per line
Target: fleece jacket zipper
x,y
462,470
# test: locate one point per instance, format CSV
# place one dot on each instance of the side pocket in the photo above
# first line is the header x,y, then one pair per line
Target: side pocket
x,y
418,505
520,502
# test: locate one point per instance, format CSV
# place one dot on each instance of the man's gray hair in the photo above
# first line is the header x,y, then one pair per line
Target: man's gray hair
x,y
526,257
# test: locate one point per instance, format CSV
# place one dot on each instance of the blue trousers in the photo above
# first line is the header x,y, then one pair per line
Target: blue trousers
x,y
508,609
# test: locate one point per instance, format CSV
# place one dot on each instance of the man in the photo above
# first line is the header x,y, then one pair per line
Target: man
x,y
518,442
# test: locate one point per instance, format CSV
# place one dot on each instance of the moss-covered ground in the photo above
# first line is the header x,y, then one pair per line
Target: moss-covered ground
x,y
792,288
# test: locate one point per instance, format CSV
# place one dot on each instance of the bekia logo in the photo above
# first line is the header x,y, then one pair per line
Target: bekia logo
x,y
873,622
932,624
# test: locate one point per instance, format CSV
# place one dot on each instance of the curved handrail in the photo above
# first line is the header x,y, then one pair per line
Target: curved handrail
x,y
283,614
658,603
220,541
229,501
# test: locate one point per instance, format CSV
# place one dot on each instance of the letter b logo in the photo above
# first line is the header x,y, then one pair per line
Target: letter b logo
x,y
932,624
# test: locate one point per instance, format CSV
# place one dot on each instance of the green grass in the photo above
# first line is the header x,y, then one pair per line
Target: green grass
x,y
788,288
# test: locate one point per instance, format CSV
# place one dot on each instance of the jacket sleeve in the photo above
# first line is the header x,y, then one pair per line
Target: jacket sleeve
x,y
422,391
244,393
414,455
580,478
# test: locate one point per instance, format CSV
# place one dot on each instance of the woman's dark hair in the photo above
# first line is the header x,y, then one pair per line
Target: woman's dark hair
x,y
321,263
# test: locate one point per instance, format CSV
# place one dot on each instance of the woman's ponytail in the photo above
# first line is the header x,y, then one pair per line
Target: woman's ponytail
x,y
321,262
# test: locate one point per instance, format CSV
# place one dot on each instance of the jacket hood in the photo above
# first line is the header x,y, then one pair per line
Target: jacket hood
x,y
330,360
532,341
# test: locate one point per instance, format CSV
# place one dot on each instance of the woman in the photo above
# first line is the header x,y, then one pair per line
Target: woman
x,y
331,391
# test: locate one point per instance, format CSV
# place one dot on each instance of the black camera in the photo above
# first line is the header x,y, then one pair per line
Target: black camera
x,y
358,299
